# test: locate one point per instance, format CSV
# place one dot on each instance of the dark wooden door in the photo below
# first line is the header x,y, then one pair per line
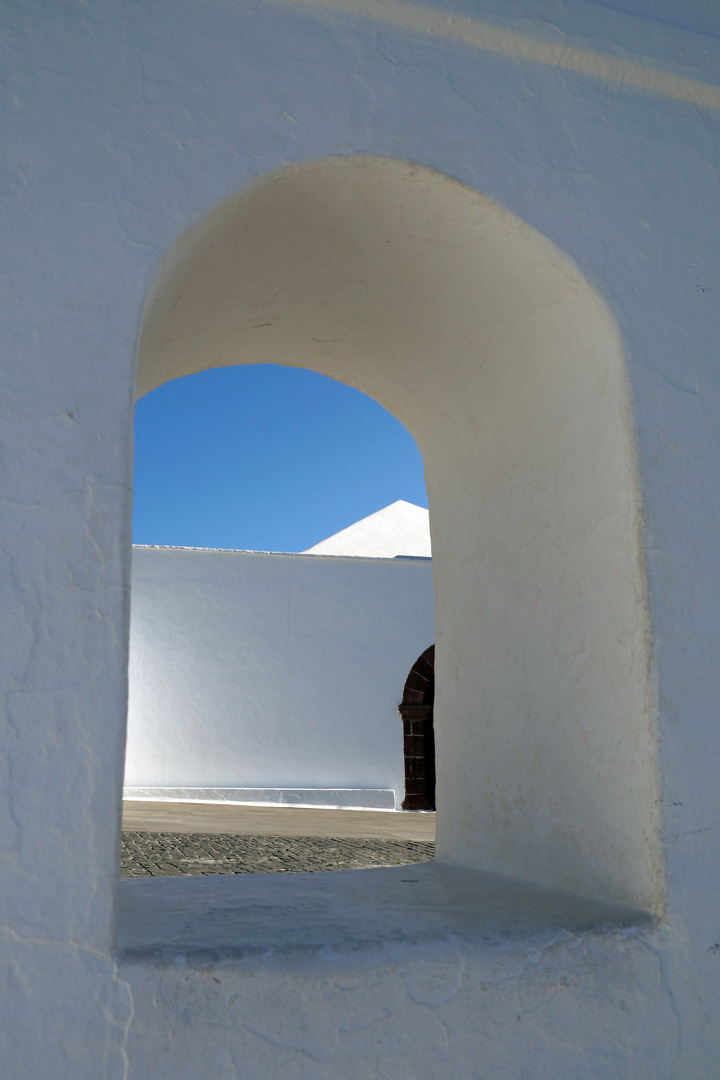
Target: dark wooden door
x,y
416,710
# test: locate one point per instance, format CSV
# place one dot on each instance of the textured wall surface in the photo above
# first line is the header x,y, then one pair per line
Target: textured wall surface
x,y
271,671
123,123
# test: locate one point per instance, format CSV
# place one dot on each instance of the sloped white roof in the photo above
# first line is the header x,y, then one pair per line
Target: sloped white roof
x,y
399,529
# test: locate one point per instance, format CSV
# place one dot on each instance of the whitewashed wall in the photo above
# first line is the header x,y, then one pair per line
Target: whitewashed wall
x,y
256,670
122,124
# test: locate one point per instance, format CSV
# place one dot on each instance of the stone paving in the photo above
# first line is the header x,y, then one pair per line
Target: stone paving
x,y
262,820
161,854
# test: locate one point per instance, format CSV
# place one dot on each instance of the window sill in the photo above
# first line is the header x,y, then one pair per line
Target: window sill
x,y
298,918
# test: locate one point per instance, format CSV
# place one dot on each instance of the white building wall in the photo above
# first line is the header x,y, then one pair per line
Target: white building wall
x,y
257,670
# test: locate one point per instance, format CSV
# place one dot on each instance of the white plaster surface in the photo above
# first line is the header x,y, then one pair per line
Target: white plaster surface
x,y
122,123
256,670
399,529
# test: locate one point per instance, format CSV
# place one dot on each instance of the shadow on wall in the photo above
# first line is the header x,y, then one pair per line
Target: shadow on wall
x,y
505,365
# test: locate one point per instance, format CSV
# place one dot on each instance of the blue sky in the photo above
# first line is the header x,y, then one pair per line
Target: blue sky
x,y
266,458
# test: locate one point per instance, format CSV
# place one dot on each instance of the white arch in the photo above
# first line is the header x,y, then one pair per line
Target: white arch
x,y
506,366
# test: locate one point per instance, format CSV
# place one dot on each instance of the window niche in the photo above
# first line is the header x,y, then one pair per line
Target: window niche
x,y
505,365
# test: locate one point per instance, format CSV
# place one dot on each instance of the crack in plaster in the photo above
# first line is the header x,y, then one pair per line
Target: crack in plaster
x,y
665,983
695,832
131,1016
28,939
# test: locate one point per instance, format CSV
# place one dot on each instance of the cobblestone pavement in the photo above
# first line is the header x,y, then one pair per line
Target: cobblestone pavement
x,y
145,854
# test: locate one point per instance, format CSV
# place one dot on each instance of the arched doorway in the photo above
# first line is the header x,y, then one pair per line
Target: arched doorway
x,y
416,710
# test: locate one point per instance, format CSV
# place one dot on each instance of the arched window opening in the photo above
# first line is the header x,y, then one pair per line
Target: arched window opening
x,y
506,366
416,710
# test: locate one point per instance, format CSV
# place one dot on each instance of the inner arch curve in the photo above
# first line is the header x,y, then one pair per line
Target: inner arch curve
x,y
505,365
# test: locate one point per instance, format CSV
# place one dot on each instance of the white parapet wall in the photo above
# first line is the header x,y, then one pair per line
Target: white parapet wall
x,y
269,678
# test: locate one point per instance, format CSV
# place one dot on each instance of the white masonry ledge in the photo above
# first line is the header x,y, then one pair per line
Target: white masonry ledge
x,y
299,918
328,798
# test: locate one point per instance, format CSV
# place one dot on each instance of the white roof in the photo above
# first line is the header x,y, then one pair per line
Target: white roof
x,y
399,529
